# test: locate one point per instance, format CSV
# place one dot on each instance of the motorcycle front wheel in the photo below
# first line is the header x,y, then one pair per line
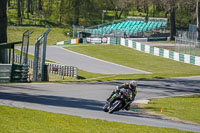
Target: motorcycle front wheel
x,y
105,108
115,106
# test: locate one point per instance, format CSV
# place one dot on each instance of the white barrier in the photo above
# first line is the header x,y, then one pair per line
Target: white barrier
x,y
166,53
5,73
123,42
73,41
195,60
60,43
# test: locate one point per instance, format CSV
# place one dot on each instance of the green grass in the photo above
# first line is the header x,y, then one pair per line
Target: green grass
x,y
15,34
184,108
88,75
158,66
22,120
31,56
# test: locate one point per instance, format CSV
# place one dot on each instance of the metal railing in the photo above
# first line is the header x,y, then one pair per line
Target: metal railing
x,y
53,68
62,70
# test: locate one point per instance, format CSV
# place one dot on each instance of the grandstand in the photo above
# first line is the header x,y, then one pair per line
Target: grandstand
x,y
129,27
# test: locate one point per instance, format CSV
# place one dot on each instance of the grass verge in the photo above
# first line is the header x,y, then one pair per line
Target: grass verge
x,y
26,120
15,34
184,108
158,66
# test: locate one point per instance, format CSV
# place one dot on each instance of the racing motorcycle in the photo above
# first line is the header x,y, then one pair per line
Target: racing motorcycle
x,y
117,102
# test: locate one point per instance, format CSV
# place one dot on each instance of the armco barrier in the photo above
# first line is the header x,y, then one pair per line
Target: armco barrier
x,y
5,73
114,41
19,73
195,60
72,41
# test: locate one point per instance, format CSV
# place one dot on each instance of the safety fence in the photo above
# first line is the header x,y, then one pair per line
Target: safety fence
x,y
5,73
53,68
186,58
72,41
187,46
62,70
19,73
13,73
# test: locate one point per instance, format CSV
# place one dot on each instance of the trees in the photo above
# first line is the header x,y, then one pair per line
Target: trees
x,y
173,7
89,12
76,10
19,12
3,31
170,7
172,11
146,4
119,6
29,2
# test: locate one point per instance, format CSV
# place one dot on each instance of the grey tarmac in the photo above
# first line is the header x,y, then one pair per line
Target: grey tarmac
x,y
87,63
87,99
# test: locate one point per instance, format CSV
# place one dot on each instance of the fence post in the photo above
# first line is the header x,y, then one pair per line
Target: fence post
x,y
44,56
36,60
63,72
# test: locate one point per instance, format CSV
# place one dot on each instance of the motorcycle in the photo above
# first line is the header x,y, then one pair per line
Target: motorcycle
x,y
119,101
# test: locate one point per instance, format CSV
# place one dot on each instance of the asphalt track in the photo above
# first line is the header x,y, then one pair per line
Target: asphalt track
x,y
87,63
87,99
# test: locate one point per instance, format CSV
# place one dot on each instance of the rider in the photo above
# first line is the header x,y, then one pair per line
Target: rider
x,y
132,87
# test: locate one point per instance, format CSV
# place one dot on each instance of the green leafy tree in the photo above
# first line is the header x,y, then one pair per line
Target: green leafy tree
x,y
120,6
171,7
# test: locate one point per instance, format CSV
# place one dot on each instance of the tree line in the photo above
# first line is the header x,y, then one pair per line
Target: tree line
x,y
89,12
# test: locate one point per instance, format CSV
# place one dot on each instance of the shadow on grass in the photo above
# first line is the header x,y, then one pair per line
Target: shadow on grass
x,y
140,115
80,77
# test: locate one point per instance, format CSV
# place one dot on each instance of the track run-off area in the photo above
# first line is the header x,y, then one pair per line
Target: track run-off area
x,y
87,99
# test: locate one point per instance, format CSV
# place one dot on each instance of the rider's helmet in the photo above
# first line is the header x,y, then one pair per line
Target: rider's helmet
x,y
132,85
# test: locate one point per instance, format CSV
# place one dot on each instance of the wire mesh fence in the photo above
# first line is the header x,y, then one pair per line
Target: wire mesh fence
x,y
24,47
186,42
37,63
